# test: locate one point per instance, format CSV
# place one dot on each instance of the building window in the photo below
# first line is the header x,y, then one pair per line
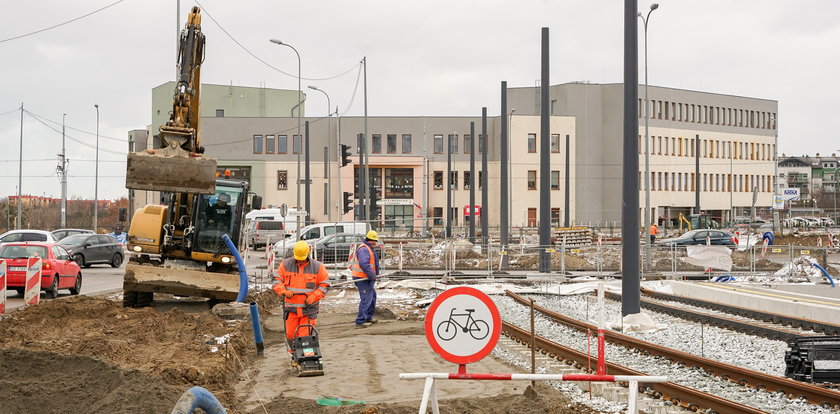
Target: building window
x,y
532,180
406,144
377,144
220,113
554,107
282,180
555,180
281,144
532,142
467,143
453,143
269,144
258,144
296,144
437,214
399,183
555,217
438,180
392,143
555,142
453,180
467,177
438,144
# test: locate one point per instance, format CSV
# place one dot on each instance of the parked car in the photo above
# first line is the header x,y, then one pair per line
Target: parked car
x,y
825,221
748,223
89,249
58,271
27,235
62,233
716,237
335,248
260,232
316,231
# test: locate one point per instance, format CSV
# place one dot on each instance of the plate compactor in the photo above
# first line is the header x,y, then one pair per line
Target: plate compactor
x,y
306,353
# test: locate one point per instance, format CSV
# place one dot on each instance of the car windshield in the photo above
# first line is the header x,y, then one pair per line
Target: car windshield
x,y
15,252
74,239
690,234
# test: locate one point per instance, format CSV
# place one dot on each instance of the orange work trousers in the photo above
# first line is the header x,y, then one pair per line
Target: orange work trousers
x,y
293,321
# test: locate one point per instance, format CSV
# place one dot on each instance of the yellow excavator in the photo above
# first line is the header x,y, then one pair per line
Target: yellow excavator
x,y
176,247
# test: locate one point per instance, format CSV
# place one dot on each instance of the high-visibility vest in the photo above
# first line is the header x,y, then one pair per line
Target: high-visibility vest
x,y
654,230
310,281
356,268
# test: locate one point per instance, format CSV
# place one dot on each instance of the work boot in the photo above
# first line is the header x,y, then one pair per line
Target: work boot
x,y
373,321
362,325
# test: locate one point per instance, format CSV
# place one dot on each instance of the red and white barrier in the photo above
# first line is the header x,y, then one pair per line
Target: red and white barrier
x,y
430,395
602,357
2,286
32,294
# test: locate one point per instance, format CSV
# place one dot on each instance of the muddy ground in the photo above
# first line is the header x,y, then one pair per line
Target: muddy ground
x,y
90,355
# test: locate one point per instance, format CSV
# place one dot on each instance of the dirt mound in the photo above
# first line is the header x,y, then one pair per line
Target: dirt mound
x,y
177,348
45,382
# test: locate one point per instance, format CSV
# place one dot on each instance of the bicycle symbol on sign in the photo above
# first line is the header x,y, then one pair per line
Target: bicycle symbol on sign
x,y
477,328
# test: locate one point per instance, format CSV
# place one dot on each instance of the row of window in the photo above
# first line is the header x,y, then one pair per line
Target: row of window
x,y
705,114
453,180
709,148
678,181
269,144
453,143
390,143
554,142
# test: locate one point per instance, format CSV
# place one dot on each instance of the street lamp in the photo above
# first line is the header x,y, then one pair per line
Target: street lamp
x,y
300,102
96,175
645,20
338,155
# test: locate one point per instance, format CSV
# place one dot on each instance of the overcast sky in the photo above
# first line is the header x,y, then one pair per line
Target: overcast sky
x,y
424,58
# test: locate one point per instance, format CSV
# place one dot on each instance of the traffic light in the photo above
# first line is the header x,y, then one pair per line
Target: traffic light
x,y
345,155
348,202
374,208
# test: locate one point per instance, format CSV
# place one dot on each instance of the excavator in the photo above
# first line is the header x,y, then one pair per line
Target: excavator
x,y
176,247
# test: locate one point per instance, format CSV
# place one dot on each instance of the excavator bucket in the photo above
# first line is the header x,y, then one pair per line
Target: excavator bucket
x,y
158,171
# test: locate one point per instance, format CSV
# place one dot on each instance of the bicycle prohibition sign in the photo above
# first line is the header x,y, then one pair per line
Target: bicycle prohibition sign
x,y
477,328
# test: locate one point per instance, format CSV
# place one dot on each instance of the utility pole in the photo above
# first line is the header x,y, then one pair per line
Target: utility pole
x,y
472,182
697,175
504,202
367,163
545,201
62,170
630,280
449,185
19,220
96,180
566,200
307,177
485,230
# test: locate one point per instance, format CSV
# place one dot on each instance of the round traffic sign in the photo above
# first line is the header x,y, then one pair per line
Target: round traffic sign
x,y
463,325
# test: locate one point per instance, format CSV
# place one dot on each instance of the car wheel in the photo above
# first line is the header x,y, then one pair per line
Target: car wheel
x,y
52,291
77,287
20,291
79,259
117,260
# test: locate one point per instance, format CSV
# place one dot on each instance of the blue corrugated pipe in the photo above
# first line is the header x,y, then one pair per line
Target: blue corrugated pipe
x,y
255,323
243,277
830,280
197,397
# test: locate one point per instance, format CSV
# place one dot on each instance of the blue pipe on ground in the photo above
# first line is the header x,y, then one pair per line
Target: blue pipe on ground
x,y
243,277
197,397
255,323
830,280
725,278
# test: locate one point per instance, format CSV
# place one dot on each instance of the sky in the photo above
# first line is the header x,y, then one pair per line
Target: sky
x,y
433,58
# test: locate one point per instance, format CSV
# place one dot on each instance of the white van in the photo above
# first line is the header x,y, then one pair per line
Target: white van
x,y
289,223
314,232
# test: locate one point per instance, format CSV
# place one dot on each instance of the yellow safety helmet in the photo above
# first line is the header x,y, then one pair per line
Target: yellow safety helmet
x,y
301,250
372,235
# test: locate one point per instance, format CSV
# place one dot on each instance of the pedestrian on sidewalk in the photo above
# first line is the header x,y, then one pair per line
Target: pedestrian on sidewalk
x,y
303,282
365,269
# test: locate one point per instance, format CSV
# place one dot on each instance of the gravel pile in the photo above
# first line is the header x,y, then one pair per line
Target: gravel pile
x,y
774,402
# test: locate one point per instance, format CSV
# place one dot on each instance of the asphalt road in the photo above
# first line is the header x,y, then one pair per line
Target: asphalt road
x,y
96,279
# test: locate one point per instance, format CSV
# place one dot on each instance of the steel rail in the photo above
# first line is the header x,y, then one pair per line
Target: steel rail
x,y
678,394
743,376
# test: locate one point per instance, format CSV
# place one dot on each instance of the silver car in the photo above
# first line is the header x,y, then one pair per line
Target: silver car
x,y
26,235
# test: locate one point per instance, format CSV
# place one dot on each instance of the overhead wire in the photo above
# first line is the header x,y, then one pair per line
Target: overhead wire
x,y
61,24
75,129
70,137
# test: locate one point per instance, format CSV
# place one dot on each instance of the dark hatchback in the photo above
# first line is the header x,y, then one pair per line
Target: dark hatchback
x,y
89,249
716,237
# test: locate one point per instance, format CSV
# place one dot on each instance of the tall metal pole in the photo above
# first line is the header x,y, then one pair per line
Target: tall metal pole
x,y
367,163
776,174
648,218
96,175
697,175
63,169
731,205
327,159
307,177
298,106
19,219
567,198
545,133
472,182
630,302
504,201
338,160
449,185
485,228
510,172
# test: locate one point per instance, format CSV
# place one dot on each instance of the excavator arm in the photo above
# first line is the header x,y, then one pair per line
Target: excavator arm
x,y
179,166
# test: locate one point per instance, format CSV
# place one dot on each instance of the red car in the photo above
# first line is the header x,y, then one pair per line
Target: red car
x,y
57,270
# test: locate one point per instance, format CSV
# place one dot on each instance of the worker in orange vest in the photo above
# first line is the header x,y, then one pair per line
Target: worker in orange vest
x,y
653,232
303,282
365,269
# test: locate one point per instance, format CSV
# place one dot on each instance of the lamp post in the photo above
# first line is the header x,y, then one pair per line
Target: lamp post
x,y
338,156
648,218
300,102
96,175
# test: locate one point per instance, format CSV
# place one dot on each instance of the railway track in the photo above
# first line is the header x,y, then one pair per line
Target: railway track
x,y
680,395
775,318
792,389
